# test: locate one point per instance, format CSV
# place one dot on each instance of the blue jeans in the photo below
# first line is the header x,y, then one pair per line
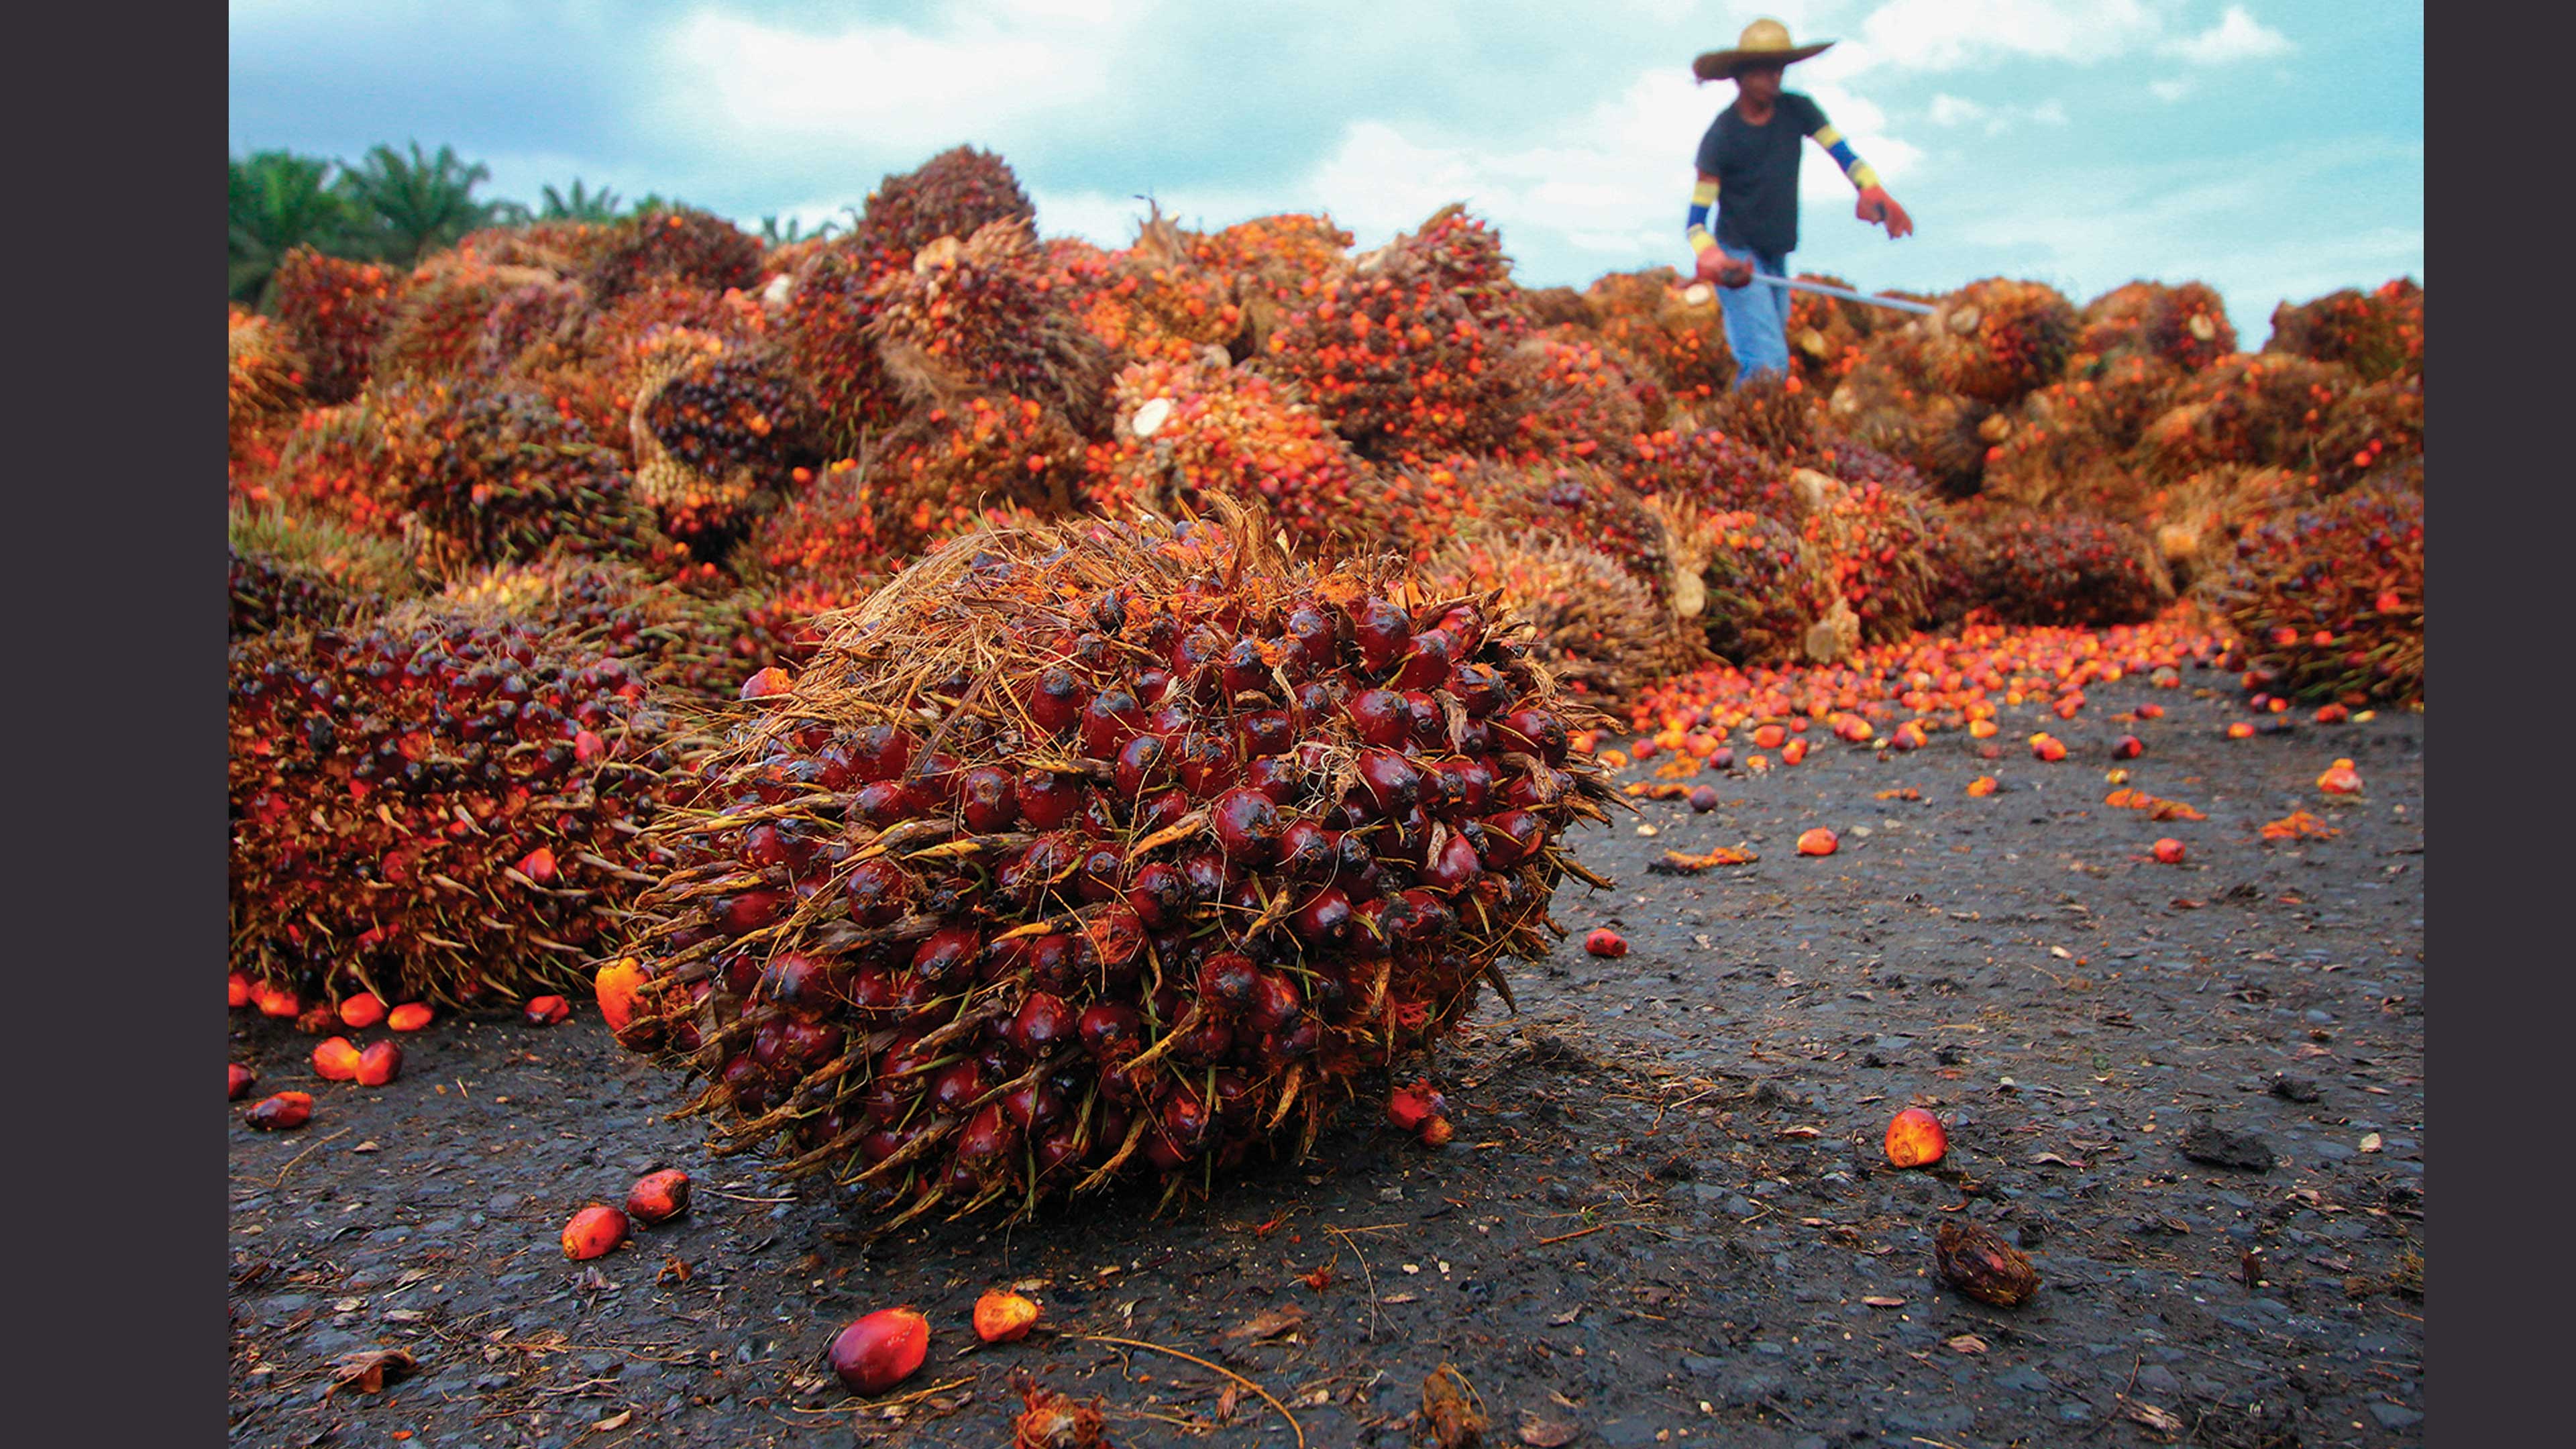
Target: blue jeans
x,y
1757,316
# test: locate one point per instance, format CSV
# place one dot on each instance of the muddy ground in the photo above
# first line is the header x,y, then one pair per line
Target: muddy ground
x,y
1665,1218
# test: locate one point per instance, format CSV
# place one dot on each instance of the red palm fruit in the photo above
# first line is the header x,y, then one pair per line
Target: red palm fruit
x,y
947,954
987,799
545,1010
1324,918
1455,867
593,1232
1004,1317
277,1001
380,1063
1185,1121
1305,849
1047,800
1382,633
1264,733
1818,841
281,1112
1392,781
881,1350
1409,1107
1248,826
1380,717
1534,731
361,1011
1111,719
237,989
1276,1002
1915,1139
316,1020
1512,837
1279,778
1703,798
879,891
658,1197
793,980
1226,981
410,1016
1435,1132
1144,763
1110,1030
239,1080
1603,941
1434,653
1056,698
2169,851
2128,747
336,1060
1159,895
539,865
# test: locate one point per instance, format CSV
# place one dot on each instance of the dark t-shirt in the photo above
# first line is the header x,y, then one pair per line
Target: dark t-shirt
x,y
1757,173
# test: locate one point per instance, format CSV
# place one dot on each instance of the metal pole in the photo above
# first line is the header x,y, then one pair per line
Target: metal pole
x,y
1898,303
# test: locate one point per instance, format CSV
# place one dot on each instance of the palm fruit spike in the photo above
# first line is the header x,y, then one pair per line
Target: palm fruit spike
x,y
2378,334
2066,569
2329,601
385,785
1876,548
1192,430
1283,263
978,316
719,431
674,244
1892,401
2376,424
1092,852
955,193
1177,304
1996,340
495,472
292,569
1593,625
2185,326
334,312
2196,523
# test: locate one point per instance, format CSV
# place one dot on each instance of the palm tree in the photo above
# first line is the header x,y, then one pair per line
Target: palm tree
x,y
579,205
279,201
417,204
794,230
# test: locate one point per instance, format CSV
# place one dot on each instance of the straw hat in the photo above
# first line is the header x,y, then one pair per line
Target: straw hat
x,y
1765,40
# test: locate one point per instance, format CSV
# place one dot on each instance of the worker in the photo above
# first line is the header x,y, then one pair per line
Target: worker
x,y
1748,170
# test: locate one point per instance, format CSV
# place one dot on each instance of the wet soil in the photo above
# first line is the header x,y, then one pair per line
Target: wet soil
x,y
1666,1216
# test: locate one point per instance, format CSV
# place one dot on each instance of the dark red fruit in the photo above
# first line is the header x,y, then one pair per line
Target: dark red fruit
x,y
1248,827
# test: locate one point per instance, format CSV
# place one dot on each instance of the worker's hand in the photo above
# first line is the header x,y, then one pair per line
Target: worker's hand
x,y
1716,266
1880,209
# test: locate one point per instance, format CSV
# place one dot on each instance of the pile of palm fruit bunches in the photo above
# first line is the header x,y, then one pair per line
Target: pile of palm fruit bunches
x,y
514,530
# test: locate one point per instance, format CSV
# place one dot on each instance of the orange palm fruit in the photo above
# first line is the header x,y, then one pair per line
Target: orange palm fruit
x,y
769,681
361,1011
615,987
336,1060
546,1010
1818,841
1915,1139
658,1197
237,990
1983,729
1603,941
281,1112
1769,737
1002,1316
1982,786
380,1063
2129,747
2241,730
2340,778
593,1232
239,1080
881,1350
410,1016
1793,752
276,1001
2047,746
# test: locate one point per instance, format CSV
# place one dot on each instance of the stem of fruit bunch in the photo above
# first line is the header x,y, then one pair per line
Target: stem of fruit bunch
x,y
1265,1394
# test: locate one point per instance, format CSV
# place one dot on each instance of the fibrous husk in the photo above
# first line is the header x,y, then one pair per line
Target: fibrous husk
x,y
2328,600
1825,333
687,646
2069,444
1559,307
680,246
1598,628
2066,569
2195,523
2375,426
1891,402
1037,957
2379,334
434,807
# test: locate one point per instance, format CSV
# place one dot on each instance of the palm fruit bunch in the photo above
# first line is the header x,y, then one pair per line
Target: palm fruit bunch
x,y
2378,334
945,467
1595,627
1174,304
2186,326
683,645
290,570
1825,333
829,532
1878,550
1098,853
1678,332
1464,257
823,330
434,807
2066,569
334,465
1997,340
491,473
1703,466
523,318
2195,523
1582,402
1756,587
1191,430
2263,409
678,245
334,313
564,247
718,429
1282,264
263,393
1577,501
1892,402
438,329
2069,443
956,193
1397,353
1550,307
2328,601
2374,426
980,316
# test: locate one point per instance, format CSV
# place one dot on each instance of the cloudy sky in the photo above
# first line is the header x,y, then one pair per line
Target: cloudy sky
x,y
2273,148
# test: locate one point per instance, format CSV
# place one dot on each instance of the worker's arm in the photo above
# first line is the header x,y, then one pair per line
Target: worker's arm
x,y
1714,265
1876,206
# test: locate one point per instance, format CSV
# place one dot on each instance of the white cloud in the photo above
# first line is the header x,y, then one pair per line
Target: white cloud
x,y
2236,36
1942,35
2171,90
1950,110
1953,111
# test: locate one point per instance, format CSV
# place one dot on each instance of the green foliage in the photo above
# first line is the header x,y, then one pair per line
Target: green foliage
x,y
279,201
579,205
412,205
776,234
